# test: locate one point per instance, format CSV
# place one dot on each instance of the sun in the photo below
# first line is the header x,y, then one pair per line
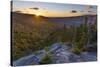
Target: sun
x,y
37,14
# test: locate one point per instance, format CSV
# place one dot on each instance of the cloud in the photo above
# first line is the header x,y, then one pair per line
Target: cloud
x,y
34,8
89,7
18,11
73,11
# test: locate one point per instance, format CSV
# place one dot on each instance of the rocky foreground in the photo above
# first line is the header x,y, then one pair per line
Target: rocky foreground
x,y
59,54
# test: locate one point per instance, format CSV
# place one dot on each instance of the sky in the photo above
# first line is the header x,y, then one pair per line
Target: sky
x,y
53,9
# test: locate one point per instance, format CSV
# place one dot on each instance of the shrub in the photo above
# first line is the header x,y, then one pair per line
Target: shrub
x,y
46,60
76,50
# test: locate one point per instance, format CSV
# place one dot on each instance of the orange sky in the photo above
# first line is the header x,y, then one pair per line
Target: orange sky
x,y
53,9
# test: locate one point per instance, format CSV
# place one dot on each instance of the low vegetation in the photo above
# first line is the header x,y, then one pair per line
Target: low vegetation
x,y
46,60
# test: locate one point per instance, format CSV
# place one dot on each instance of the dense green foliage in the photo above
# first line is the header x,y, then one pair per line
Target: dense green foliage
x,y
86,34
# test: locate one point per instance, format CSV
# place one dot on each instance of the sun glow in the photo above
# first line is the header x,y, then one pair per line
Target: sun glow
x,y
37,14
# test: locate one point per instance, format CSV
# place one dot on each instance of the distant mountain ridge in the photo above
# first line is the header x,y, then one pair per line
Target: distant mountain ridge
x,y
75,20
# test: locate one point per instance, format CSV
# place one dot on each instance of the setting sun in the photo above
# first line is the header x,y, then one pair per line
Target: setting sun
x,y
37,14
